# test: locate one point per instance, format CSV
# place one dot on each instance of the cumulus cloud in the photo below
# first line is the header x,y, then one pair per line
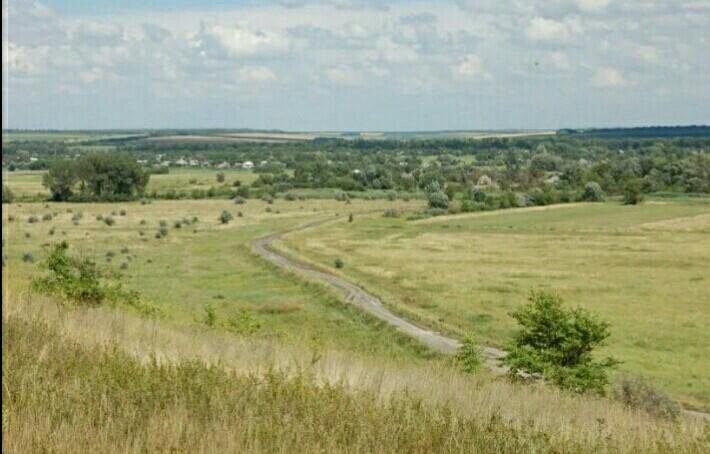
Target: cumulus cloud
x,y
547,30
608,78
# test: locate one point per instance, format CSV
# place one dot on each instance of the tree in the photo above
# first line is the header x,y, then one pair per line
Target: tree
x,y
593,192
107,176
220,177
557,344
61,179
7,195
632,192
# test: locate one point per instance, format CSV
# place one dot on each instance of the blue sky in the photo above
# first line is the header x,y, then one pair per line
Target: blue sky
x,y
355,64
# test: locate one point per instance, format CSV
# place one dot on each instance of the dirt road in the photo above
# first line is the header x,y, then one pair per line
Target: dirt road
x,y
358,296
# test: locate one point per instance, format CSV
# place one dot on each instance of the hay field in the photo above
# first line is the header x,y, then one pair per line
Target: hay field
x,y
643,268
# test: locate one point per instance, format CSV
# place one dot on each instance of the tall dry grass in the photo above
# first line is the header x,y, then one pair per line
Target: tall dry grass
x,y
79,379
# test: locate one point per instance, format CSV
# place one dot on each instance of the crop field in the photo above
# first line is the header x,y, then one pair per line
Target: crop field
x,y
28,184
642,268
206,264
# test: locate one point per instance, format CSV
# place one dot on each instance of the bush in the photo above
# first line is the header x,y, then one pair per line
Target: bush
x,y
351,218
391,213
243,322
557,344
124,265
51,231
339,263
239,200
240,214
220,177
122,212
210,318
47,217
32,219
225,217
28,257
76,217
177,224
163,232
438,199
632,192
124,250
593,192
109,221
290,196
468,356
635,392
163,223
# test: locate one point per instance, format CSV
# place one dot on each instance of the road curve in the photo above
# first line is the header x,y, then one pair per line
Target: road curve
x,y
359,297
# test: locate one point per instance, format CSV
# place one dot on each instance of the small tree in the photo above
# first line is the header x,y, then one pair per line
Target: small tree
x,y
339,263
557,344
220,177
632,192
593,192
438,199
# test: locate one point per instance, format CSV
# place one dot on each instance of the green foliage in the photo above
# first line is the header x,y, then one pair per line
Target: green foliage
x,y
73,278
97,176
225,217
468,356
632,193
557,344
339,263
593,192
220,177
438,200
243,322
210,316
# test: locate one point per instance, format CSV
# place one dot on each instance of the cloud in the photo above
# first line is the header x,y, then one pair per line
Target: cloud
x,y
470,66
547,30
608,78
237,41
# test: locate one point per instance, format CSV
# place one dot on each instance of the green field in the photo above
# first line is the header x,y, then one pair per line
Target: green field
x,y
207,263
642,268
27,184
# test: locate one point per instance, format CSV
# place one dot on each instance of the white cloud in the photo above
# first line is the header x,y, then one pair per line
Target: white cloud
x,y
547,30
608,77
470,66
237,41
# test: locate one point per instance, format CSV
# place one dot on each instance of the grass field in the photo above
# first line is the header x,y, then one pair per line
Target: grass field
x,y
208,264
642,268
27,184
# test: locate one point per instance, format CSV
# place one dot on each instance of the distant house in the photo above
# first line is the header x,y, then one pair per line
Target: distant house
x,y
356,171
181,162
237,165
33,159
554,179
223,165
142,161
263,163
248,165
165,163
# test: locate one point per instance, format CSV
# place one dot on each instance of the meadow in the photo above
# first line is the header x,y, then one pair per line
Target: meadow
x,y
642,268
205,265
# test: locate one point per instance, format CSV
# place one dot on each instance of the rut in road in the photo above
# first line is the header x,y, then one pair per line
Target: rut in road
x,y
358,296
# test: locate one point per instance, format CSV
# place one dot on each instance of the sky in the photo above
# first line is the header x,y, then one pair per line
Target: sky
x,y
348,65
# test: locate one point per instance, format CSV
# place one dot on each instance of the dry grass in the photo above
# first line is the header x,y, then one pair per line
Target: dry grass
x,y
530,417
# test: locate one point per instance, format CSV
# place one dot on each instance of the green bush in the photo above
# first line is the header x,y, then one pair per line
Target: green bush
x,y
225,217
438,200
7,195
593,192
632,192
339,263
468,356
557,344
28,257
220,177
109,221
32,219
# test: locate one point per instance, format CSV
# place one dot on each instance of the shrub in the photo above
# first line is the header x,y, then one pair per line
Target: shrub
x,y
290,196
177,224
236,183
51,231
438,199
635,392
124,265
390,213
268,209
195,219
351,218
632,192
225,217
76,217
124,250
339,263
392,196
557,344
32,219
28,257
220,177
193,181
239,200
163,232
593,192
100,217
268,199
244,322
122,212
47,217
163,223
27,235
468,356
142,222
240,214
109,221
10,218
